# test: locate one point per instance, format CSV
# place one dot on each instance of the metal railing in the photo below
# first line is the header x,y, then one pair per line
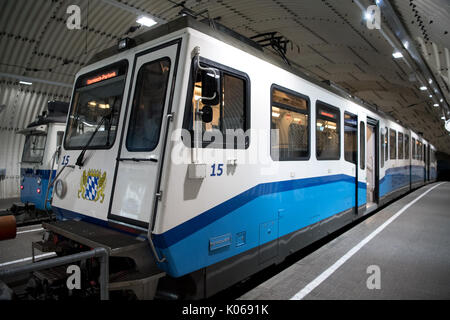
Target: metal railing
x,y
101,253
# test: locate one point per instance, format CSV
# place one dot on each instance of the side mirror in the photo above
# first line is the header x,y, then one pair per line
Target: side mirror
x,y
210,87
207,114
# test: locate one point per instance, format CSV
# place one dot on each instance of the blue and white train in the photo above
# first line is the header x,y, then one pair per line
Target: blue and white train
x,y
223,159
43,137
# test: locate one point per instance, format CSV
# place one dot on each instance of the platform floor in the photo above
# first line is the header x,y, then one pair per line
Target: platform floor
x,y
17,251
411,248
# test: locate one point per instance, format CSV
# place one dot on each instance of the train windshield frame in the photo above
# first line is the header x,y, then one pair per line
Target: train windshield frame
x,y
34,148
97,99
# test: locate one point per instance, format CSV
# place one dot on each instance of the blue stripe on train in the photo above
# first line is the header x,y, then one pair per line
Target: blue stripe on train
x,y
272,188
283,207
246,219
398,177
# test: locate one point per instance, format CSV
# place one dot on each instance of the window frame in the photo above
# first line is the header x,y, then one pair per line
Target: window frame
x,y
407,142
123,105
293,109
190,92
133,107
386,145
390,147
382,149
362,140
356,144
402,145
43,149
338,125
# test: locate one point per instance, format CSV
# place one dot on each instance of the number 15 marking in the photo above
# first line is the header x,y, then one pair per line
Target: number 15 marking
x,y
219,170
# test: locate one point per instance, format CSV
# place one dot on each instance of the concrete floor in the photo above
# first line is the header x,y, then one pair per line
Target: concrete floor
x,y
11,251
412,253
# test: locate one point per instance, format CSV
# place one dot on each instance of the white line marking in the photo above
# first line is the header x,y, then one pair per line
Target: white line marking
x,y
32,230
27,259
324,275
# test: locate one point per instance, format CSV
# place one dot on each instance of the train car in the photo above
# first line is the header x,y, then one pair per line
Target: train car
x,y
43,138
222,159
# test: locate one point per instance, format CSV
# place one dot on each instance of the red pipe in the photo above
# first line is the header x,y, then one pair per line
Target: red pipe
x,y
8,227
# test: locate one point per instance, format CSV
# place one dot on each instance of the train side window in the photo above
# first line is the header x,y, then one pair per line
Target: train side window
x,y
362,145
413,144
230,117
289,134
382,150
407,146
400,145
327,132
393,144
386,145
148,106
350,137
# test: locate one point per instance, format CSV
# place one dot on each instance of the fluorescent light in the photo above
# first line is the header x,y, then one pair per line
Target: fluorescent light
x,y
146,21
368,16
406,44
275,114
397,55
430,81
26,83
443,118
430,96
436,105
442,100
423,88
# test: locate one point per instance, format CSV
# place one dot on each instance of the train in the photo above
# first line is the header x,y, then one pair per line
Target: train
x,y
40,154
198,159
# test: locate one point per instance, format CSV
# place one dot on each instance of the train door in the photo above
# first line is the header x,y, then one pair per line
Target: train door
x,y
428,162
372,162
424,160
351,149
142,140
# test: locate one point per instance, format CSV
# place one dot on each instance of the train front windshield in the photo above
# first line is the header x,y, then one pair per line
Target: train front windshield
x,y
96,103
33,150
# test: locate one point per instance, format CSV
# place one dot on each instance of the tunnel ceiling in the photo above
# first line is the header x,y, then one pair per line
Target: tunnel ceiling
x,y
327,39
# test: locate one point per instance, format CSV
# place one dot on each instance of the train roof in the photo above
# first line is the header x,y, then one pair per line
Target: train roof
x,y
222,33
56,113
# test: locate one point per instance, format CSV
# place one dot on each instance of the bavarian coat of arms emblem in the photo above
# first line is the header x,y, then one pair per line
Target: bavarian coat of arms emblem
x,y
92,185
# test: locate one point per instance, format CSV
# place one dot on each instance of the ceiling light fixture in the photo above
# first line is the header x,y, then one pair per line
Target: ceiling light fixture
x,y
146,21
26,83
423,88
397,55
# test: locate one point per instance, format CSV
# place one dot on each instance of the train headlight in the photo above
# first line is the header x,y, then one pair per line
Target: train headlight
x,y
39,181
60,188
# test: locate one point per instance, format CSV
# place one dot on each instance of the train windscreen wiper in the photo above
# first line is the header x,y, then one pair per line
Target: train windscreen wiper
x,y
80,159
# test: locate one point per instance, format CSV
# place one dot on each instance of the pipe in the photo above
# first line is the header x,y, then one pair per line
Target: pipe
x,y
8,227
